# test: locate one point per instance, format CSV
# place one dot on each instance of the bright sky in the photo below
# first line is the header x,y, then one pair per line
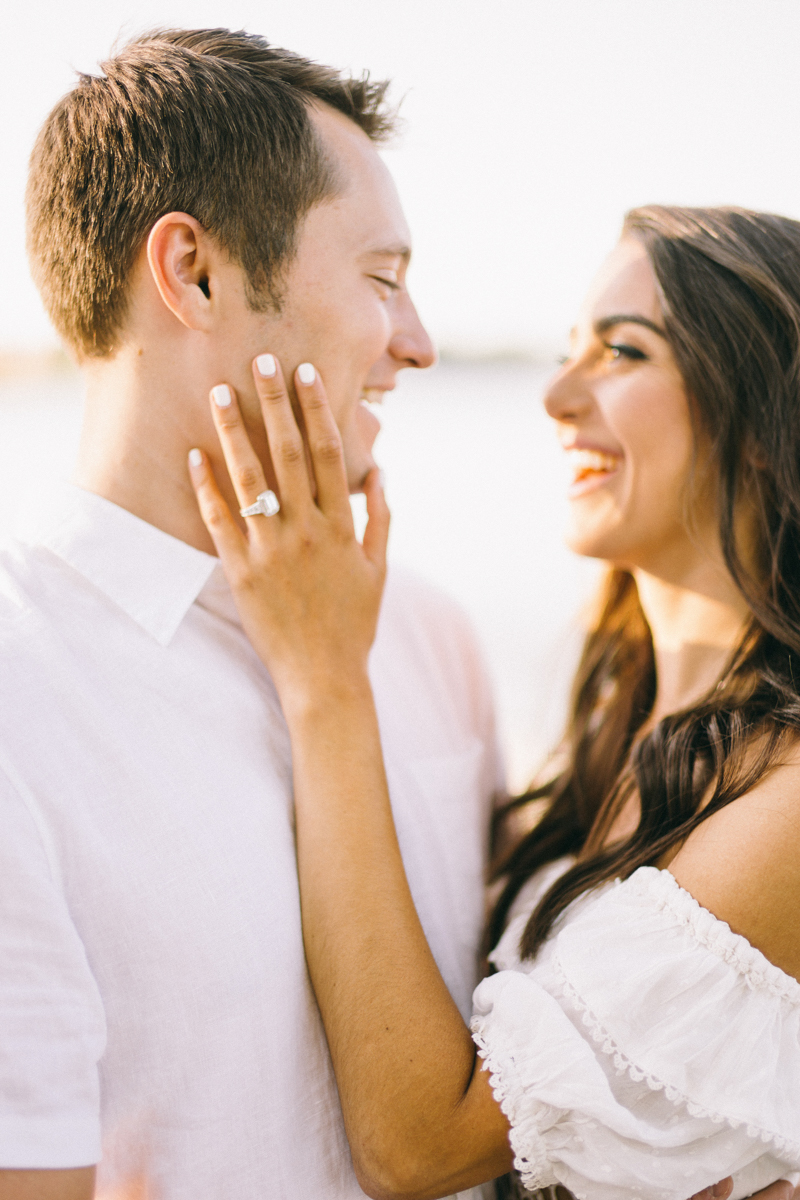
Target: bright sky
x,y
531,126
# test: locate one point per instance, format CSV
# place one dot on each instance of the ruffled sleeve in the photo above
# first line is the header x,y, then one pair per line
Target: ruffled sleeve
x,y
647,1052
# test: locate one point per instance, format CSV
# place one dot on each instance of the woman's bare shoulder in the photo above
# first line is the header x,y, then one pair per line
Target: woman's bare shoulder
x,y
743,864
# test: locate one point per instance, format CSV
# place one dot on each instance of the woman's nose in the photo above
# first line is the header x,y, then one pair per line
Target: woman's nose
x,y
567,396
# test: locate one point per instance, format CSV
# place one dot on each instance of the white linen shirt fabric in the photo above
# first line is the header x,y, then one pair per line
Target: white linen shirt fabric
x,y
155,1010
646,1052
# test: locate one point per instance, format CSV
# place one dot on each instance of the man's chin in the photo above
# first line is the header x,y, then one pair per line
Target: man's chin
x,y
357,477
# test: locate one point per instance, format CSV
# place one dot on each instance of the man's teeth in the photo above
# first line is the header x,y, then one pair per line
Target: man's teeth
x,y
582,461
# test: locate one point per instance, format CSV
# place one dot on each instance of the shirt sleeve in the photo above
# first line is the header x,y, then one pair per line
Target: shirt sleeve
x,y
52,1027
647,1052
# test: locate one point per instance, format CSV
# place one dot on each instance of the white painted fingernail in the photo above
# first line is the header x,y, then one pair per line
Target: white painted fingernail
x,y
195,458
221,395
306,373
266,365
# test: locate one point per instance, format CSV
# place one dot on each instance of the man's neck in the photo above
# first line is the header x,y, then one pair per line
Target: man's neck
x,y
141,419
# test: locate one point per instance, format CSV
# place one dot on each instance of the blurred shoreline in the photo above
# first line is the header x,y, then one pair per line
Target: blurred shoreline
x,y
36,364
42,362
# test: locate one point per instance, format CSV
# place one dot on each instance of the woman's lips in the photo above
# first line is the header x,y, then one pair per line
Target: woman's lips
x,y
590,469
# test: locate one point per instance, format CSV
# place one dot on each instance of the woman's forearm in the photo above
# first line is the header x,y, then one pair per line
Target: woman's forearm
x,y
394,1031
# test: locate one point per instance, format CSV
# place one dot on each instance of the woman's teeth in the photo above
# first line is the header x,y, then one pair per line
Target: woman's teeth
x,y
588,462
371,395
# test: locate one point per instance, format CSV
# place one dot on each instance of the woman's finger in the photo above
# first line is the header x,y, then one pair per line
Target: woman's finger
x,y
286,446
376,534
324,445
782,1189
717,1191
244,467
226,535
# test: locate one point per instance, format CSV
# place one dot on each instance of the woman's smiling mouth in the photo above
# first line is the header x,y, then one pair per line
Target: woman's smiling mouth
x,y
590,468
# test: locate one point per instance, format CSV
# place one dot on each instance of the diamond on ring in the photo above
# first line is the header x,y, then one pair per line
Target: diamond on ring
x,y
266,505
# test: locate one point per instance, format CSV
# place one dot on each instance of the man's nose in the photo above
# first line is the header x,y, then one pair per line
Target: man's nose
x,y
567,397
410,345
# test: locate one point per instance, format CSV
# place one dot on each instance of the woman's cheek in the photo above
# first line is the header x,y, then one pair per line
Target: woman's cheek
x,y
646,422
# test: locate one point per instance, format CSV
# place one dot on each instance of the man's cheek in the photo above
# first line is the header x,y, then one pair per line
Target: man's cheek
x,y
358,437
367,425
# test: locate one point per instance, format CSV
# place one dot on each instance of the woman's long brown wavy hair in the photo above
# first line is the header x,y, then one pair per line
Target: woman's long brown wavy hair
x,y
729,284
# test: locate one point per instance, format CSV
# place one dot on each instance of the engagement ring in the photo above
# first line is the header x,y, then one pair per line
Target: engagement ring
x,y
266,505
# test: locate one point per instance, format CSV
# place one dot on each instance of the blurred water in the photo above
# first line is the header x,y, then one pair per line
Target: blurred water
x,y
476,486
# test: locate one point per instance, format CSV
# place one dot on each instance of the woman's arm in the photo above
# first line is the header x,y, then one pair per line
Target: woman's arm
x,y
393,1030
394,1033
69,1184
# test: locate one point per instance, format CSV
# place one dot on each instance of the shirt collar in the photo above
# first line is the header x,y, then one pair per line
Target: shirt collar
x,y
151,576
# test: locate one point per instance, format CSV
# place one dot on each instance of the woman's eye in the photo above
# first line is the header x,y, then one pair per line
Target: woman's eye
x,y
623,350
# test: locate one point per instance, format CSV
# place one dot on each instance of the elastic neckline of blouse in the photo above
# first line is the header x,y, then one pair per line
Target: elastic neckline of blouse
x,y
709,931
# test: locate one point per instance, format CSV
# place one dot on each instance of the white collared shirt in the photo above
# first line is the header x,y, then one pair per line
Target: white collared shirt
x,y
155,1011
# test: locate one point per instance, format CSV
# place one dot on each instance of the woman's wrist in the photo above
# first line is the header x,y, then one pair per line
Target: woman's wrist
x,y
321,699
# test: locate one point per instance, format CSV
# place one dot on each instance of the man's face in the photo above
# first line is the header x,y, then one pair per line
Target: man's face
x,y
345,305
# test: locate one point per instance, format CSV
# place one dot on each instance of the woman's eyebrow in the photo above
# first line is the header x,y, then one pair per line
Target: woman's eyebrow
x,y
606,323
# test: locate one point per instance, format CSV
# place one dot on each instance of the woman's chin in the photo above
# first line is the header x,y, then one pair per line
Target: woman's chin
x,y
591,543
595,526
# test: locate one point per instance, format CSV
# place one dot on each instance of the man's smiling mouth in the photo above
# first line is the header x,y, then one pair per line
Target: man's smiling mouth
x,y
372,395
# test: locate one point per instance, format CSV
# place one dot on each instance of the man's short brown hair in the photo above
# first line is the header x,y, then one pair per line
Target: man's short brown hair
x,y
205,121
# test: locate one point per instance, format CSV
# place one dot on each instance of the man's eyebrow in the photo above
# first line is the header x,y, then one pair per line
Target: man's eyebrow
x,y
398,251
606,323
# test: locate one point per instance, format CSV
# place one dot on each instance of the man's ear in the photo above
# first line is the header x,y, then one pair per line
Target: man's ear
x,y
180,254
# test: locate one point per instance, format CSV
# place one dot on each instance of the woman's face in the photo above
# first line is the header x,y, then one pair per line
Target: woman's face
x,y
622,416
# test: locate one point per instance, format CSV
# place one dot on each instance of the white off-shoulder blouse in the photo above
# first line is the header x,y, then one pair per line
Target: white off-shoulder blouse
x,y
646,1052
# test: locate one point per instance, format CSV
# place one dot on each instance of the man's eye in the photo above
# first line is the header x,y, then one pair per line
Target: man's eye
x,y
391,284
623,350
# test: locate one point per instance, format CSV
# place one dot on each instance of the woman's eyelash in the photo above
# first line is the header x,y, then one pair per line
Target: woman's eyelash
x,y
623,350
620,349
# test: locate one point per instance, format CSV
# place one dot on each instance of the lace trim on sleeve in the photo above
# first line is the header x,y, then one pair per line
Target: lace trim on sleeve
x,y
623,1064
526,1115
